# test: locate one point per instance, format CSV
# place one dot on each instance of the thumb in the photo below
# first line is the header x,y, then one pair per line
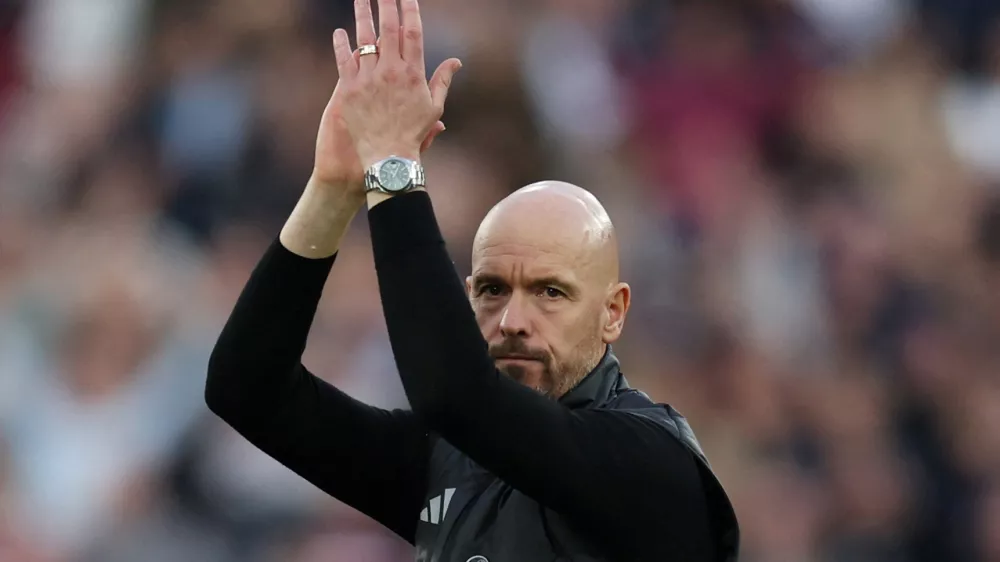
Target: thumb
x,y
441,81
435,131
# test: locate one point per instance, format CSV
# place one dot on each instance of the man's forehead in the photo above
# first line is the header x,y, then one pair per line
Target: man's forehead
x,y
534,261
535,236
554,227
529,243
505,267
533,242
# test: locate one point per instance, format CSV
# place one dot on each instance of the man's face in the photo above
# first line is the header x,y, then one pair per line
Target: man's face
x,y
541,311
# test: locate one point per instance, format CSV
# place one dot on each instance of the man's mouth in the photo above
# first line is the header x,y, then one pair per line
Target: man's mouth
x,y
516,358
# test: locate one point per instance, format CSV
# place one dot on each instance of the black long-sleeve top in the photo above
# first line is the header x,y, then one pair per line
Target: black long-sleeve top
x,y
562,458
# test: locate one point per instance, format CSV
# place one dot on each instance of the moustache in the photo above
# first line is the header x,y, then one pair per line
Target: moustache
x,y
517,348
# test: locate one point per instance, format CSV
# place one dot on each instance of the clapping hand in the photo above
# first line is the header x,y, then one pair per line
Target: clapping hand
x,y
382,106
388,106
337,161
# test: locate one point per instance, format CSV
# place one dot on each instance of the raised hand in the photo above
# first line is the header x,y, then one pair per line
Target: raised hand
x,y
387,104
337,162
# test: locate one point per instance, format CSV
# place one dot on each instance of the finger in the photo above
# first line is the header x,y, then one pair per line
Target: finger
x,y
436,130
346,64
441,81
428,142
413,35
366,31
388,21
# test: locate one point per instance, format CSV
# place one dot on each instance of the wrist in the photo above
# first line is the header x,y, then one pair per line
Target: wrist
x,y
376,197
335,194
320,219
376,156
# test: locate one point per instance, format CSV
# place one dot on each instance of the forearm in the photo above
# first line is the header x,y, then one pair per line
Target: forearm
x,y
257,384
320,220
439,351
261,345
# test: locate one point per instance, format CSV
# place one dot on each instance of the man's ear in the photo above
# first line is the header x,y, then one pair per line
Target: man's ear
x,y
619,299
468,286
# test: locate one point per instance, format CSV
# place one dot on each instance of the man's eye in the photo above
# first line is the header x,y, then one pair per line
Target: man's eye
x,y
491,290
553,293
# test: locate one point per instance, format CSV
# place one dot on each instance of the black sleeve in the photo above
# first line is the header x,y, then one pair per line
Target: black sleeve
x,y
371,459
607,469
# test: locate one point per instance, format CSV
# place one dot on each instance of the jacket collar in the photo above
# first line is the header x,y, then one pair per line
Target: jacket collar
x,y
599,385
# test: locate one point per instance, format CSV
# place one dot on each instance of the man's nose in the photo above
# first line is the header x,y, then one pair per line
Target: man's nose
x,y
515,321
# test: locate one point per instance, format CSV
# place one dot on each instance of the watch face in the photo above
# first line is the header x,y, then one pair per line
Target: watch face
x,y
394,175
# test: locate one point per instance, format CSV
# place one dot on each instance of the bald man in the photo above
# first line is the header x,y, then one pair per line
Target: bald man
x,y
524,442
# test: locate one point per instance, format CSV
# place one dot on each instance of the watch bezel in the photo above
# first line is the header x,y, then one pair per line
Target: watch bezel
x,y
373,182
408,164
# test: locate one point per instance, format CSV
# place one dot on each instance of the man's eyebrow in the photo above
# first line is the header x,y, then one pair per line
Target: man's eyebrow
x,y
492,278
553,280
487,279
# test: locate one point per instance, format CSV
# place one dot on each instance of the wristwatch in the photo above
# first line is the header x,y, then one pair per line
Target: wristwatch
x,y
394,175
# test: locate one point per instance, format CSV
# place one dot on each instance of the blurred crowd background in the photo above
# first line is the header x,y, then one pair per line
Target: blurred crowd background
x,y
807,194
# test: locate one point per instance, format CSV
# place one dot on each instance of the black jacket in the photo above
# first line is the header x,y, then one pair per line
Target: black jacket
x,y
483,516
481,466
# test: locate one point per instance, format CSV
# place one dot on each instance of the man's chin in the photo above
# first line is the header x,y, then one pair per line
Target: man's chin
x,y
516,371
529,373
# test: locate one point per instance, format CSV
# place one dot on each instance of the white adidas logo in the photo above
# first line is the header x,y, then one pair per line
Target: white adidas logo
x,y
437,509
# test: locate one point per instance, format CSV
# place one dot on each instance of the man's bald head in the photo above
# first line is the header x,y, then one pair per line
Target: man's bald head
x,y
559,214
545,284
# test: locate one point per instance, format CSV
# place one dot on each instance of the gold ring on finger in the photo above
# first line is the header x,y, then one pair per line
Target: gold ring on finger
x,y
368,50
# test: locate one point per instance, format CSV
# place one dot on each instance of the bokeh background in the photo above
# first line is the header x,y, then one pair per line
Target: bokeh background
x,y
807,198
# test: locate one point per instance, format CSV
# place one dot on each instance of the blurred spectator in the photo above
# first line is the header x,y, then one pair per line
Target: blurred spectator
x,y
110,407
